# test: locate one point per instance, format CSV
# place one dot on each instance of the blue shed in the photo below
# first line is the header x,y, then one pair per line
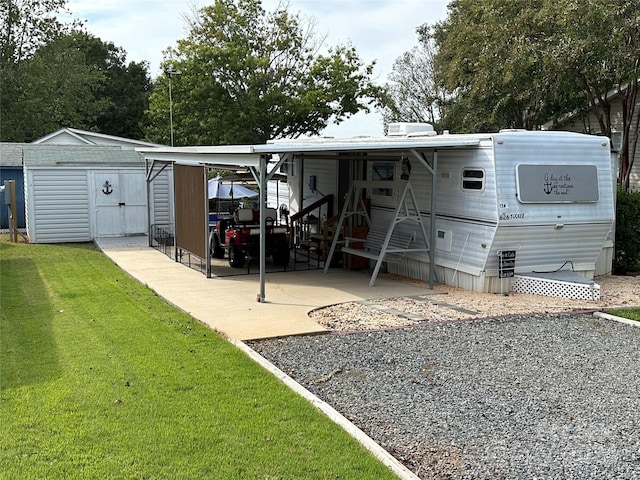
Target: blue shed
x,y
11,169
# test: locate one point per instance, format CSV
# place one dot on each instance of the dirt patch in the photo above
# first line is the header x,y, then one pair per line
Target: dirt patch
x,y
450,303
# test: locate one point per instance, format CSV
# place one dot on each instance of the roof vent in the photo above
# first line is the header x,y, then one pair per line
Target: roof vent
x,y
406,129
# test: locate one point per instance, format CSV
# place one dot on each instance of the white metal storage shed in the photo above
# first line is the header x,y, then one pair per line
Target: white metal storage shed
x,y
82,185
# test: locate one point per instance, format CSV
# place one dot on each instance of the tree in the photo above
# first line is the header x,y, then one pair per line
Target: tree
x,y
413,94
63,76
26,25
521,63
123,94
492,55
51,89
597,44
248,76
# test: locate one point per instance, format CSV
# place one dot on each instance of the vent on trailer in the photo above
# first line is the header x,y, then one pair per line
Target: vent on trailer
x,y
407,129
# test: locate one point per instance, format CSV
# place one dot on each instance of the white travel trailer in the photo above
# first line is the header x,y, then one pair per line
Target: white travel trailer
x,y
498,208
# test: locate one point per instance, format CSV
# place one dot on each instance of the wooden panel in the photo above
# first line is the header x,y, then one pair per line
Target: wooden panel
x,y
191,213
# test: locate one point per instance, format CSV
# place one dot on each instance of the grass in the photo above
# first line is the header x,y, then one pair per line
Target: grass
x,y
101,378
630,313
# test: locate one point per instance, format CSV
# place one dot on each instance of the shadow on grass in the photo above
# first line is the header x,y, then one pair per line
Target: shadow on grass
x,y
28,351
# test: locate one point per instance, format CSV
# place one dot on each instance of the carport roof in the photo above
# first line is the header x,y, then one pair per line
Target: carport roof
x,y
232,155
249,155
369,144
255,155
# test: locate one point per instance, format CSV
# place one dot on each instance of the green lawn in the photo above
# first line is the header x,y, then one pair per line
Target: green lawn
x,y
630,313
100,378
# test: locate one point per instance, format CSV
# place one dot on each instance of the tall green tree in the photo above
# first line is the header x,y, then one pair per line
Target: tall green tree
x,y
248,75
25,26
122,95
520,63
597,44
51,89
492,56
54,75
413,93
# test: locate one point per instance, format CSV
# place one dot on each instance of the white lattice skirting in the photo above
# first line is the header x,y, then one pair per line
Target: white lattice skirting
x,y
555,288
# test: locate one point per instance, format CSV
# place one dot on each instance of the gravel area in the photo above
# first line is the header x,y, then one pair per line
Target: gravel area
x,y
541,395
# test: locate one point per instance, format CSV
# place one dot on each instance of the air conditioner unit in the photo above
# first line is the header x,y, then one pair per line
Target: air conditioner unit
x,y
410,129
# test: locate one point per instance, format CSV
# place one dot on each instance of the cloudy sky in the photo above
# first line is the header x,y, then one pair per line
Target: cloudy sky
x,y
381,30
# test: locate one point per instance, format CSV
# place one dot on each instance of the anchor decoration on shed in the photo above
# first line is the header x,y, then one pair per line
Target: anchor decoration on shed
x,y
107,188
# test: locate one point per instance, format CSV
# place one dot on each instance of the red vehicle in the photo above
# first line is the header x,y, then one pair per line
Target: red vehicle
x,y
239,237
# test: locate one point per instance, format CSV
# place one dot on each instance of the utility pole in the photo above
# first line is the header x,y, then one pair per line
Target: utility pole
x,y
169,72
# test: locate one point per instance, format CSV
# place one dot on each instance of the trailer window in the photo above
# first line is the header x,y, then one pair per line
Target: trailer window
x,y
473,179
383,172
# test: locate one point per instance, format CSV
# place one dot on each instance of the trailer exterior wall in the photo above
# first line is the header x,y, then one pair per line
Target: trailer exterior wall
x,y
466,220
473,226
546,234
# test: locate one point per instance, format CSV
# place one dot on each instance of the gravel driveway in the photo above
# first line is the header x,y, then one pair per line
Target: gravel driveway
x,y
529,397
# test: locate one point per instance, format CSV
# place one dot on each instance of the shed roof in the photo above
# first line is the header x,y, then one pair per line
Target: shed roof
x,y
11,154
74,136
79,156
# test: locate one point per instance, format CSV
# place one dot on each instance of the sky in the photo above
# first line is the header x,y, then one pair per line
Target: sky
x,y
380,30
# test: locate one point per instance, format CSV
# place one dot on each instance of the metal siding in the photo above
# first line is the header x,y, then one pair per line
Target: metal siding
x,y
13,173
553,148
161,195
452,201
60,206
470,217
546,235
326,173
544,248
467,239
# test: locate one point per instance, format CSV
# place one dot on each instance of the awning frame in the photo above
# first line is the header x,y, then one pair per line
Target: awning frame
x,y
255,158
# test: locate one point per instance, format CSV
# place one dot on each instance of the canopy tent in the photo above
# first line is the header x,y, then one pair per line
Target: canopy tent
x,y
220,190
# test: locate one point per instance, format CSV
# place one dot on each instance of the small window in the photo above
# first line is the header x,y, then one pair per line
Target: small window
x,y
383,172
473,180
288,168
616,141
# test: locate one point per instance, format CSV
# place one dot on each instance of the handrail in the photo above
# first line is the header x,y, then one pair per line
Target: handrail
x,y
314,206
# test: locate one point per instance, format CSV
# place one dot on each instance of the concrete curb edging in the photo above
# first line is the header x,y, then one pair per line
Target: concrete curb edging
x,y
380,453
608,316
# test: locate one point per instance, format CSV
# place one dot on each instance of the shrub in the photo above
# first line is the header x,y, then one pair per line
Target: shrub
x,y
627,247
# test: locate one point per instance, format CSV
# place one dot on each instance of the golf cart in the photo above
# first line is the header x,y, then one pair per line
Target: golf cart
x,y
238,236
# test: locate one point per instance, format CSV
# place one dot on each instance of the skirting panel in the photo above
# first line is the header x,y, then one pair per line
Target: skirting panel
x,y
555,288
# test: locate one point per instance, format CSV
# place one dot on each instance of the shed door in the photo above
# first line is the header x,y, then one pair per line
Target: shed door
x,y
121,203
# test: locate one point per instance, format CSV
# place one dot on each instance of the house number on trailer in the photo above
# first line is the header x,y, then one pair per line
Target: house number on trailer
x,y
107,188
511,216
